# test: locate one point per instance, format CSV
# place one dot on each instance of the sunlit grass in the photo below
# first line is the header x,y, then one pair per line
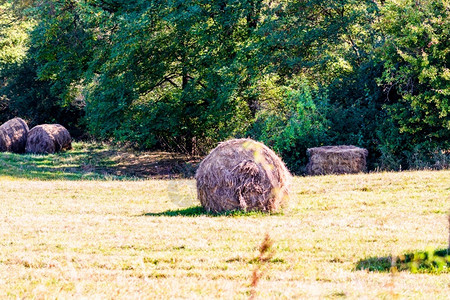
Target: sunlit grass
x,y
137,239
75,164
92,161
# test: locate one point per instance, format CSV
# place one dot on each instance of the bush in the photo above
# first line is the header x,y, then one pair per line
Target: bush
x,y
32,99
291,119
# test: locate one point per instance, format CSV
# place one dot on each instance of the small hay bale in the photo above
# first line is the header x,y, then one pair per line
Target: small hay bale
x,y
48,138
242,174
13,136
336,160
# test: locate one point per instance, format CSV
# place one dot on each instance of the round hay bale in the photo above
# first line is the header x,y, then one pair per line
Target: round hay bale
x,y
13,136
242,174
48,138
336,160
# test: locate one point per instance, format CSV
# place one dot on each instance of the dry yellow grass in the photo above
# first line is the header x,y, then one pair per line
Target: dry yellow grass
x,y
113,239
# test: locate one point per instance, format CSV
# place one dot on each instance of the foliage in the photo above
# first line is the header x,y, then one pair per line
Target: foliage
x,y
24,92
291,118
33,100
154,74
14,29
333,45
416,77
429,261
184,75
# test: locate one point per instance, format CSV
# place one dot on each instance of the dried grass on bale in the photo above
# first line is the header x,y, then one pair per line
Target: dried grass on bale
x,y
242,174
336,160
13,136
48,138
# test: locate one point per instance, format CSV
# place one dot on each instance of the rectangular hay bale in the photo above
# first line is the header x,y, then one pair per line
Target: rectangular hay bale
x,y
336,160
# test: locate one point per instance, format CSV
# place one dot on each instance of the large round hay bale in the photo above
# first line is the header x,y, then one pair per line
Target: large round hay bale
x,y
13,136
242,174
48,138
336,160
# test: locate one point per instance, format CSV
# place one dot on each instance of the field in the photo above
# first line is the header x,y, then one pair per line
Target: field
x,y
70,229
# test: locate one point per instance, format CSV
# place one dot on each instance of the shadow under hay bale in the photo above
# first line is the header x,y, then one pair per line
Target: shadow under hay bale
x,y
13,136
48,138
336,160
242,174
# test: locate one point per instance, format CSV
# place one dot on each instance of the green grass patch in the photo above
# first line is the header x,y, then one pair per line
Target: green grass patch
x,y
429,261
89,161
195,211
85,161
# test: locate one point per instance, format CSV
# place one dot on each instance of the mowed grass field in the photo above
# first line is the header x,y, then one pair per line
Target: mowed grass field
x,y
69,233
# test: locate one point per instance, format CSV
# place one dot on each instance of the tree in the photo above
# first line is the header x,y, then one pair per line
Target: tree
x,y
24,92
154,72
183,75
14,29
416,76
334,46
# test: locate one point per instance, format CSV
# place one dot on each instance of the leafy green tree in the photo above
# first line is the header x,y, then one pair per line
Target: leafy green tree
x,y
416,76
13,35
32,99
183,75
24,92
291,119
154,72
334,45
14,29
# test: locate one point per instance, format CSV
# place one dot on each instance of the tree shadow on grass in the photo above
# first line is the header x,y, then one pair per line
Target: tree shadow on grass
x,y
84,161
429,261
98,162
196,211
